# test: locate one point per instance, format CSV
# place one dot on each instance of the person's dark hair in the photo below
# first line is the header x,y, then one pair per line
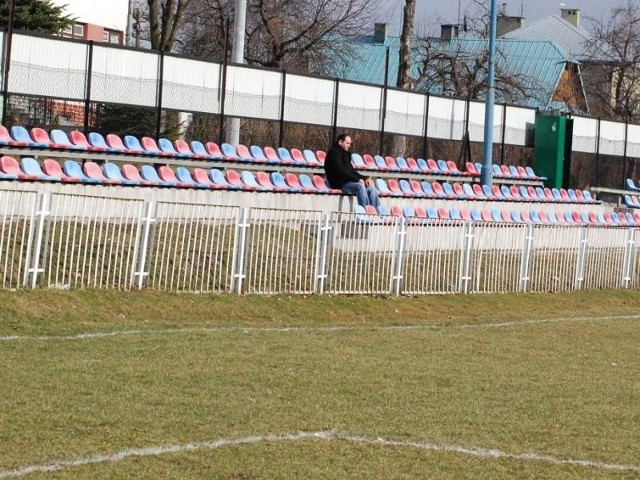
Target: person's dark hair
x,y
341,137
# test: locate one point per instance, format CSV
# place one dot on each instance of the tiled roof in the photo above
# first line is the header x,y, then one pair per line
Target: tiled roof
x,y
570,38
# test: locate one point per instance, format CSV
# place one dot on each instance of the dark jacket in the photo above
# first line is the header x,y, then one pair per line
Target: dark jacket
x,y
338,168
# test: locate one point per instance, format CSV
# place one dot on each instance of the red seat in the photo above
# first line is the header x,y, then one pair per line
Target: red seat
x,y
391,163
167,174
11,166
234,179
321,155
52,167
486,215
369,162
183,148
453,168
506,216
433,166
114,141
150,145
293,181
39,135
412,164
394,188
471,169
93,170
200,175
505,171
130,172
443,213
465,214
458,190
420,212
271,155
78,138
297,156
396,211
243,152
214,150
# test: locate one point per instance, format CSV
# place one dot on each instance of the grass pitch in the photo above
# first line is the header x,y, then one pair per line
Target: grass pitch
x,y
102,384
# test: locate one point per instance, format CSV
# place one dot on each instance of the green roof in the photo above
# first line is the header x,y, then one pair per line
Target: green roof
x,y
540,62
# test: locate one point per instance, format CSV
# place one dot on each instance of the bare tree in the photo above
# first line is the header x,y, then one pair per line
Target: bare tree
x,y
163,20
612,71
297,35
447,68
406,38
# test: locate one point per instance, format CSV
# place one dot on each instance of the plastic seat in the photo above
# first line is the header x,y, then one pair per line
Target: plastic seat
x,y
112,172
234,179
444,167
131,173
432,213
229,153
149,146
321,155
59,137
285,156
453,168
467,189
93,171
310,158
132,144
306,182
52,168
395,189
427,188
183,149
408,211
416,187
41,136
250,181
219,179
396,211
200,150
201,176
11,170
185,179
380,163
402,164
167,174
369,162
476,215
213,149
383,189
31,167
78,139
167,148
544,218
243,153
454,214
258,154
21,136
465,214
496,216
459,192
98,141
278,181
357,161
115,142
413,165
5,138
272,156
264,181
73,169
405,187
448,191
292,181
391,164
516,217
471,169
149,173
432,166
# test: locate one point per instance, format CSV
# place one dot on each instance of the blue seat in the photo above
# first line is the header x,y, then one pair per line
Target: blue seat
x,y
405,186
568,218
21,134
357,160
132,143
147,172
218,178
454,214
514,171
278,180
506,193
535,217
572,195
307,183
486,189
249,179
428,189
97,140
73,169
198,148
432,213
184,175
310,157
532,175
408,211
112,172
258,154
228,151
167,147
60,137
422,163
475,215
515,216
402,164
30,166
468,191
631,185
382,165
497,171
495,215
443,167
383,189
384,210
284,155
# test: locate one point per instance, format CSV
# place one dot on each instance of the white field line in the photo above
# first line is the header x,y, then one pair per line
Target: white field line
x,y
320,329
323,436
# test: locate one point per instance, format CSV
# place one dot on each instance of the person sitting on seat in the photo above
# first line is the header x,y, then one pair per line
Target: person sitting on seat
x,y
341,174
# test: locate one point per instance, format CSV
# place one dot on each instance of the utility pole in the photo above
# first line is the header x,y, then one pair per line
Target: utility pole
x,y
237,56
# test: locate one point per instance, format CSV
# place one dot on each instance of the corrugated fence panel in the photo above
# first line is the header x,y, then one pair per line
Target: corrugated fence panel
x,y
633,141
359,106
446,118
48,67
253,93
309,100
124,76
405,113
191,85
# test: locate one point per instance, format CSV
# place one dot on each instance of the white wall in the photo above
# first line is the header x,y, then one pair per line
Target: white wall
x,y
106,13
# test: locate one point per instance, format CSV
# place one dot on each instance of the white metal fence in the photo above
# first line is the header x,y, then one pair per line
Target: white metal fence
x,y
75,241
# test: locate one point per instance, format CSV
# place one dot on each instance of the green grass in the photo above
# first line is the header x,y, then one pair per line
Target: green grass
x,y
209,367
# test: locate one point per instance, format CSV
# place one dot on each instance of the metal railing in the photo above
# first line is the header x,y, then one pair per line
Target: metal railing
x,y
82,241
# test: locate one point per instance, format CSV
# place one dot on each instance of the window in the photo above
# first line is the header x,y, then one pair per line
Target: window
x,y
78,30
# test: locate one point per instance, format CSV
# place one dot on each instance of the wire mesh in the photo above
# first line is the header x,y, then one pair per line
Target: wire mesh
x,y
17,210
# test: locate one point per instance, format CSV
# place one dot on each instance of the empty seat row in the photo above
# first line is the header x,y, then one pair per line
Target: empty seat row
x,y
464,191
421,215
19,136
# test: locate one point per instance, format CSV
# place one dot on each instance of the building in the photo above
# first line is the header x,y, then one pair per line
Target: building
x,y
97,20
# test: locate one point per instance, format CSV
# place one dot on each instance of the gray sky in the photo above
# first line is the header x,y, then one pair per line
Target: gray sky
x,y
435,12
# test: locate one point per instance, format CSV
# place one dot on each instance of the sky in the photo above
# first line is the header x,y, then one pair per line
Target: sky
x,y
108,13
435,12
